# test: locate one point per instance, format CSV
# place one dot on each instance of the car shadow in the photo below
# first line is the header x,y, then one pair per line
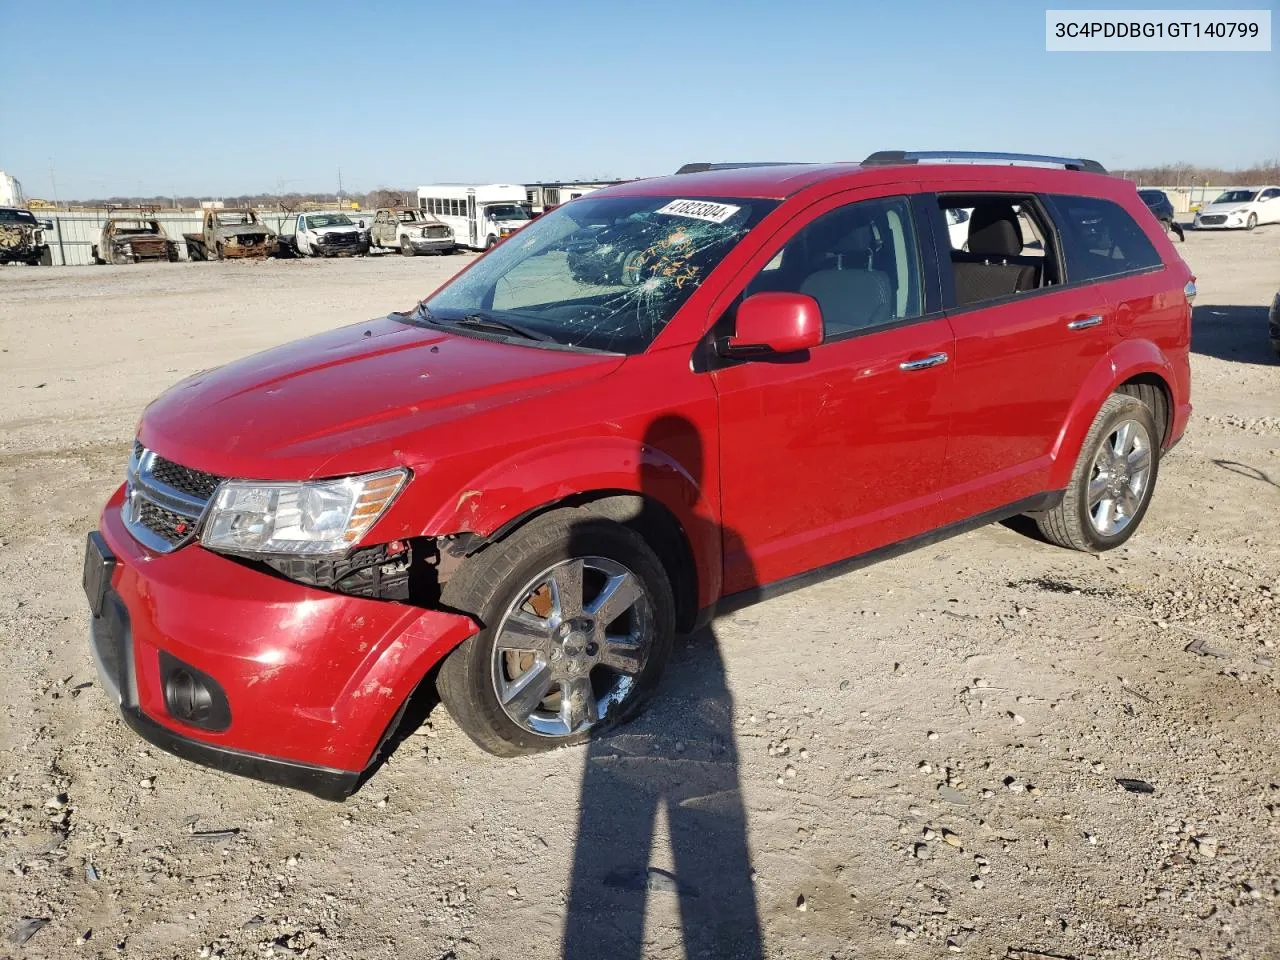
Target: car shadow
x,y
1238,334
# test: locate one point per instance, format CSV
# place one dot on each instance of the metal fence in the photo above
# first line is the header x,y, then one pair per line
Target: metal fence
x,y
75,233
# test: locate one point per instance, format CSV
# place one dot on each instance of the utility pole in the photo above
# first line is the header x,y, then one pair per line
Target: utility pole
x,y
339,186
54,181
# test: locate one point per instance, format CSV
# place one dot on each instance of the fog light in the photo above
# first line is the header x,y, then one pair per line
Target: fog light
x,y
193,696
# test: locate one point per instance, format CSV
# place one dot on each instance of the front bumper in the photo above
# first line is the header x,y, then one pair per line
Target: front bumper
x,y
430,244
1218,221
313,680
250,251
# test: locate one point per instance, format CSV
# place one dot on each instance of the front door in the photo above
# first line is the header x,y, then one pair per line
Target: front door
x,y
471,219
837,452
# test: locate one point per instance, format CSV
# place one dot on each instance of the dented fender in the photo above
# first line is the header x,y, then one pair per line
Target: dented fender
x,y
504,494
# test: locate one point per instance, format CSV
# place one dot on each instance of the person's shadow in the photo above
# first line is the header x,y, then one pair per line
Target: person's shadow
x,y
679,757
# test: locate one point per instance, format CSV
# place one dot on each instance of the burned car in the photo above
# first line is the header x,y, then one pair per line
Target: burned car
x,y
22,237
133,239
232,234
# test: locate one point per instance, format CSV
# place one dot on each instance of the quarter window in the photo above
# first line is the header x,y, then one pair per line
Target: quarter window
x,y
1101,239
860,262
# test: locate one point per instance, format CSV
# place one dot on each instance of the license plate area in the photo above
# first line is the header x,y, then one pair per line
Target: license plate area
x,y
99,562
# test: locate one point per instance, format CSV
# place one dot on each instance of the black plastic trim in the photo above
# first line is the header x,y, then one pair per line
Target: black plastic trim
x,y
322,782
736,601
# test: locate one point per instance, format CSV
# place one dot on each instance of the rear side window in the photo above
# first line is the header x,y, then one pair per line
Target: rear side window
x,y
1101,239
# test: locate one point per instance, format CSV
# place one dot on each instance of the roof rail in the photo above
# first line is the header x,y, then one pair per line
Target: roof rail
x,y
882,158
703,167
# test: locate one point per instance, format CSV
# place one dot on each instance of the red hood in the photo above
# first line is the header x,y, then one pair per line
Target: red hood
x,y
339,402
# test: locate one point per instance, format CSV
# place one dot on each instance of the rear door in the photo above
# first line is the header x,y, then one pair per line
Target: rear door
x,y
1020,355
838,451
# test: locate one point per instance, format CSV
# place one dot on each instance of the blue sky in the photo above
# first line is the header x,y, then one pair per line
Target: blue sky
x,y
231,96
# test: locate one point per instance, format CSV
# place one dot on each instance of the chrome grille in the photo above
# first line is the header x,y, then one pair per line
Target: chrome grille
x,y
164,501
437,233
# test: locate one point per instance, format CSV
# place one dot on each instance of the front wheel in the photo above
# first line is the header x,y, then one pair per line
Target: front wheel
x,y
578,623
1112,482
1251,222
491,243
406,248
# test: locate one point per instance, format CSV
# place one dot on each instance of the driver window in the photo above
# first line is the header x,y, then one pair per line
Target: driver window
x,y
860,262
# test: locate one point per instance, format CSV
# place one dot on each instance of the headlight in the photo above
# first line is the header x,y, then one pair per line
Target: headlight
x,y
1241,212
312,518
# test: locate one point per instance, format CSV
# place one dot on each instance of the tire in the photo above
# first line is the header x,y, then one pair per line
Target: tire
x,y
491,243
1251,222
1074,523
217,249
94,258
406,248
490,587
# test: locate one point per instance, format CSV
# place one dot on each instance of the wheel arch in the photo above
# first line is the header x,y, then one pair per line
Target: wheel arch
x,y
648,516
1135,367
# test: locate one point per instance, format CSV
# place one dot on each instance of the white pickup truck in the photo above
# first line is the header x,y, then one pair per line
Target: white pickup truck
x,y
330,235
411,231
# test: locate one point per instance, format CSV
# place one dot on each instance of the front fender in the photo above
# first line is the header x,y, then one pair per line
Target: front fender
x,y
507,492
1128,359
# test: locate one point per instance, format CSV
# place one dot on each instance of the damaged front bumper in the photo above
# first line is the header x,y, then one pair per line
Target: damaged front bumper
x,y
249,248
237,669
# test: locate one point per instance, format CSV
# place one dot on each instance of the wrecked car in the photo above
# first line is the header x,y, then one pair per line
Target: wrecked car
x,y
521,489
329,235
411,231
22,237
133,239
232,234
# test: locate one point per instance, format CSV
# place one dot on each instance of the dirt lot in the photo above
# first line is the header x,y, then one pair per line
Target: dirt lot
x,y
919,756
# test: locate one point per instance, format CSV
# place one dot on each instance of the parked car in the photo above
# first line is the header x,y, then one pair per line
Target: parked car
x,y
1240,208
133,238
330,235
229,234
958,227
1273,324
533,480
1161,208
22,237
411,231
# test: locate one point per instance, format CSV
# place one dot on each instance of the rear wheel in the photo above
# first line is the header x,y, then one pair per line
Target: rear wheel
x,y
406,248
578,622
1112,482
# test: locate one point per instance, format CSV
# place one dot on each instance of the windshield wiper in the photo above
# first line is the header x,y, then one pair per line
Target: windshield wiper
x,y
483,321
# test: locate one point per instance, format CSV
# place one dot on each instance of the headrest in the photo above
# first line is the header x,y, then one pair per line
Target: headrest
x,y
994,231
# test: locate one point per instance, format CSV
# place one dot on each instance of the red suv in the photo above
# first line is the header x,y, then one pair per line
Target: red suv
x,y
665,398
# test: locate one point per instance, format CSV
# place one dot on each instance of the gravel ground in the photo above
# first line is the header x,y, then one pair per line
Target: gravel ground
x,y
915,759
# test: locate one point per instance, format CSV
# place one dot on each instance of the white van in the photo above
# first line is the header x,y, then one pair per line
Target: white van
x,y
479,214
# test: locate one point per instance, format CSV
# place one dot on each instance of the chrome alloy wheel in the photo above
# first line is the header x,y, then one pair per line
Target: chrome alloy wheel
x,y
572,646
1119,478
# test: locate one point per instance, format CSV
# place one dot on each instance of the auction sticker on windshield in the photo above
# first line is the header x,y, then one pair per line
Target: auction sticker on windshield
x,y
700,210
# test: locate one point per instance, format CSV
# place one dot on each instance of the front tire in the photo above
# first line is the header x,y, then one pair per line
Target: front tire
x,y
1111,485
406,248
1251,222
578,621
491,243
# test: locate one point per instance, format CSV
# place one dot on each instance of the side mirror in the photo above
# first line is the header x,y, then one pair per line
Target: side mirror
x,y
360,223
771,323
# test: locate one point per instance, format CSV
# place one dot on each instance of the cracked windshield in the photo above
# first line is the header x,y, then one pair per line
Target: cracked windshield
x,y
603,274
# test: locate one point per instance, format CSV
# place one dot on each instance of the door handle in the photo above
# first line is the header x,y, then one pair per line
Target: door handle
x,y
924,363
1084,323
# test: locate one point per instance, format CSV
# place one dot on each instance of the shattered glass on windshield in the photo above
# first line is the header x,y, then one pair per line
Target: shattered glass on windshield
x,y
606,273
